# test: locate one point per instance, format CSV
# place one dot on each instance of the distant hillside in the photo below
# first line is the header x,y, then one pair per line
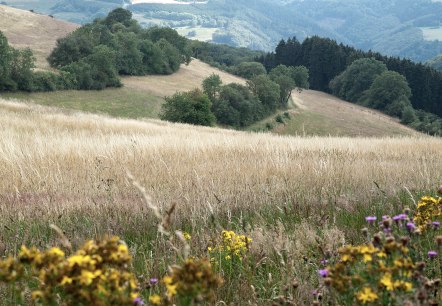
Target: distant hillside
x,y
314,113
407,28
26,29
435,63
317,113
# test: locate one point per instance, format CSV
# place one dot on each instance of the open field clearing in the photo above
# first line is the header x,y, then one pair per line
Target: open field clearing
x,y
141,97
48,154
432,33
297,195
39,32
314,113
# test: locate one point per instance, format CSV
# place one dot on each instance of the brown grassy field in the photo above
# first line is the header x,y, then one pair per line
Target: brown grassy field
x,y
315,113
292,195
38,32
80,158
187,78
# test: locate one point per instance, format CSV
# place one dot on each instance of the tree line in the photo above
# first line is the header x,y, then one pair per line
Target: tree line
x,y
95,55
236,105
329,65
325,59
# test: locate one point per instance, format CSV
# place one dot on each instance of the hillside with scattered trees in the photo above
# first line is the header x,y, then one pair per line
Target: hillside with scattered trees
x,y
390,84
407,28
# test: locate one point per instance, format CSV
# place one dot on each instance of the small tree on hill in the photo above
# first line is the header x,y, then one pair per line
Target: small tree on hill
x,y
289,78
192,107
390,93
212,86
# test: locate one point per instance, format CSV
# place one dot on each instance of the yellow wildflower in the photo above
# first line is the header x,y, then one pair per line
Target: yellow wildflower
x,y
155,299
367,258
87,277
387,282
37,295
367,295
187,236
66,280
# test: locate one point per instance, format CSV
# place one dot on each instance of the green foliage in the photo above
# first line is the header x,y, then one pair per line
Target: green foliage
x,y
267,91
97,71
192,107
129,56
237,106
16,71
289,78
389,92
408,115
212,86
119,15
356,79
131,50
279,119
248,70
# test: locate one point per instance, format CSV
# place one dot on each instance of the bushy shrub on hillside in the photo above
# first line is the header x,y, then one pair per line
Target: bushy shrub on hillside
x,y
134,51
192,107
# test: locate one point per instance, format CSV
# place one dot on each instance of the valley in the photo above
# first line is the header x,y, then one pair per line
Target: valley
x,y
322,202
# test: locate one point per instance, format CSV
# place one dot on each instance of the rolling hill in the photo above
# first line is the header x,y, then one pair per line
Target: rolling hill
x,y
407,28
312,113
38,32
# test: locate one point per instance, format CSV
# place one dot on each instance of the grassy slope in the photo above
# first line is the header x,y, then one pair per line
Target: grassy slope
x,y
319,114
26,29
141,97
298,195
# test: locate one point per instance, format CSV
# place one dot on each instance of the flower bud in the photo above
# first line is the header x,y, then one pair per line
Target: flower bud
x,y
438,241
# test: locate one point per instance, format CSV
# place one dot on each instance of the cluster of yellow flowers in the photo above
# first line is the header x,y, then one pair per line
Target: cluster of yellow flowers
x,y
231,244
192,283
97,274
429,210
387,265
391,268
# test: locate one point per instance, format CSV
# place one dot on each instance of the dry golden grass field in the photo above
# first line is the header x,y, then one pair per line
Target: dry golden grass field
x,y
38,32
53,161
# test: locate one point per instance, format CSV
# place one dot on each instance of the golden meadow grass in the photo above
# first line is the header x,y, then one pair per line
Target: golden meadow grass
x,y
291,195
78,157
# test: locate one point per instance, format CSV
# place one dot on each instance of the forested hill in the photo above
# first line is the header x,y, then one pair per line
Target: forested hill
x,y
326,59
407,28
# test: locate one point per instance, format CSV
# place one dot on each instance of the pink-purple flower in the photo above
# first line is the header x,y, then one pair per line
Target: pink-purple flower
x,y
138,301
399,217
436,224
432,254
370,219
323,272
153,281
411,226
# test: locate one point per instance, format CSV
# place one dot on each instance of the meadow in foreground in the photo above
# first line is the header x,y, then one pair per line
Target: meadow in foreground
x,y
298,200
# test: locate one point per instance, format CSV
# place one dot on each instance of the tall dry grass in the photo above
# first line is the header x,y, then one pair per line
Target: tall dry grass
x,y
296,197
59,161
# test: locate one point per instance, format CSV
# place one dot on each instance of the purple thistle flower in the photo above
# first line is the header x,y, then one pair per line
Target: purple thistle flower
x,y
432,254
370,219
324,261
411,226
138,301
315,293
323,272
153,281
399,217
436,224
385,217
